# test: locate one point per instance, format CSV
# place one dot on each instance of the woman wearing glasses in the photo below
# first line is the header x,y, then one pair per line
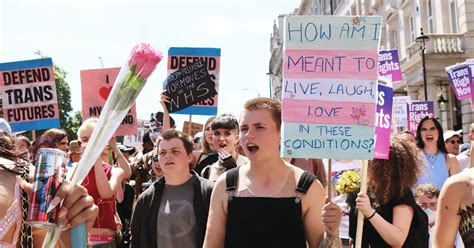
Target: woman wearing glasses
x,y
439,165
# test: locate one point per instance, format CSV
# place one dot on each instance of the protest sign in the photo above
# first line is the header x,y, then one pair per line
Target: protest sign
x,y
330,69
29,95
417,111
180,57
470,62
96,85
460,78
383,119
389,65
400,110
195,128
189,85
135,140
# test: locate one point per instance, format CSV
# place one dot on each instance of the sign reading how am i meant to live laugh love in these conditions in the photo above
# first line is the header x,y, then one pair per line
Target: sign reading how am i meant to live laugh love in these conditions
x,y
330,70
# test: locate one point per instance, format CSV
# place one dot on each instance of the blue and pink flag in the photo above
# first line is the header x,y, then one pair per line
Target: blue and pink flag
x,y
29,95
383,118
389,65
417,111
330,70
460,78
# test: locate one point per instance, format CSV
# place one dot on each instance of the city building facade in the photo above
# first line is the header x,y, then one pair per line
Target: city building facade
x,y
449,24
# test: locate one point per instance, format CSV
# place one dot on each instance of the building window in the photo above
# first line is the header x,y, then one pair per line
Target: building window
x,y
453,16
393,39
430,17
412,28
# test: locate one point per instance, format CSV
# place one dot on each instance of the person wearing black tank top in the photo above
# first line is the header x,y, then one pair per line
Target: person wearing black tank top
x,y
269,202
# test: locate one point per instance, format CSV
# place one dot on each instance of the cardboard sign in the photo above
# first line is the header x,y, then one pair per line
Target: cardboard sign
x,y
330,70
96,85
29,95
389,65
383,120
189,85
195,128
460,78
400,110
136,139
416,112
179,57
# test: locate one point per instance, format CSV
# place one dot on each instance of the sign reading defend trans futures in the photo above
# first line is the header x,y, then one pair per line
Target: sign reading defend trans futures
x,y
329,91
29,95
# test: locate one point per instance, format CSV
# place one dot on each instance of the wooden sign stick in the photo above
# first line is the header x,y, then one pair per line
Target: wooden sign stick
x,y
329,178
360,216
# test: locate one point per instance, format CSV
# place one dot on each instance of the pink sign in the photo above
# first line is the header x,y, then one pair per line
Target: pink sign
x,y
96,87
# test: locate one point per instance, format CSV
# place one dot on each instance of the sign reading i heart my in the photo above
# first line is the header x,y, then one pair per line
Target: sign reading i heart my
x,y
96,85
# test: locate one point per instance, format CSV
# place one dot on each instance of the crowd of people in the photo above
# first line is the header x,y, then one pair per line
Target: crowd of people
x,y
229,187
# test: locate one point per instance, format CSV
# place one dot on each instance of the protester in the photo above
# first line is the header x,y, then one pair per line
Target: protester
x,y
102,183
197,141
59,137
173,211
408,135
259,204
463,157
456,209
225,134
74,151
127,151
24,145
14,232
426,196
141,166
438,164
207,155
452,141
392,217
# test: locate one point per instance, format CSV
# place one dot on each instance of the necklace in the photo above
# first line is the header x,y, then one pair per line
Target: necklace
x,y
431,158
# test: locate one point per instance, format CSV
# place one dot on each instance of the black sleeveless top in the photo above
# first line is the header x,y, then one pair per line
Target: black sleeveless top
x,y
265,221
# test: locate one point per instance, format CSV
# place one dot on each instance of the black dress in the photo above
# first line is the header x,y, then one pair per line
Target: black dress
x,y
417,235
265,221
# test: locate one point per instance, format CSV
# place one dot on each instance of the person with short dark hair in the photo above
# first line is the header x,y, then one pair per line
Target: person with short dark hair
x,y
173,211
269,202
59,137
225,135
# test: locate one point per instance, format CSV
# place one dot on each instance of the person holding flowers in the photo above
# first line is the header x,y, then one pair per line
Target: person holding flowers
x,y
392,217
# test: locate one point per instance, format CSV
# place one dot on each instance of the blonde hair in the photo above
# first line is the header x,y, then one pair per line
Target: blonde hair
x,y
88,124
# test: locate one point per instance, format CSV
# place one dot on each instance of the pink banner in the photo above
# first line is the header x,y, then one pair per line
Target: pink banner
x,y
96,87
326,112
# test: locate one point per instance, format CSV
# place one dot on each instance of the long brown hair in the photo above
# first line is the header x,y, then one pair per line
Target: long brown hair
x,y
390,179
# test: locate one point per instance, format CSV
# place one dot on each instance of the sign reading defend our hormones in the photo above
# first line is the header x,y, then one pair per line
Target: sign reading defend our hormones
x,y
29,95
329,91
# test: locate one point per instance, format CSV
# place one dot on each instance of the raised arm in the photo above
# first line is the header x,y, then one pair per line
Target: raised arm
x,y
166,115
121,160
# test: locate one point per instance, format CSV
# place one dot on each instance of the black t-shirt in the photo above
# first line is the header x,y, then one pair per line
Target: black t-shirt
x,y
371,237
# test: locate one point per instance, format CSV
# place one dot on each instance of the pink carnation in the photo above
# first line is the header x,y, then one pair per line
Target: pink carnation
x,y
145,58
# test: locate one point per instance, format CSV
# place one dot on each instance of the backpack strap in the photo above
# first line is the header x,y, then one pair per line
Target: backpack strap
x,y
231,179
305,181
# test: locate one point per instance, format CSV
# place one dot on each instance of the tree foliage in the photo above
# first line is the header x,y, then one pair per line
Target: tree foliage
x,y
69,121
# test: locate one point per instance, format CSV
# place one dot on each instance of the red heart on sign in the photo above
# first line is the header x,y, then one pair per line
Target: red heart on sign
x,y
104,92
